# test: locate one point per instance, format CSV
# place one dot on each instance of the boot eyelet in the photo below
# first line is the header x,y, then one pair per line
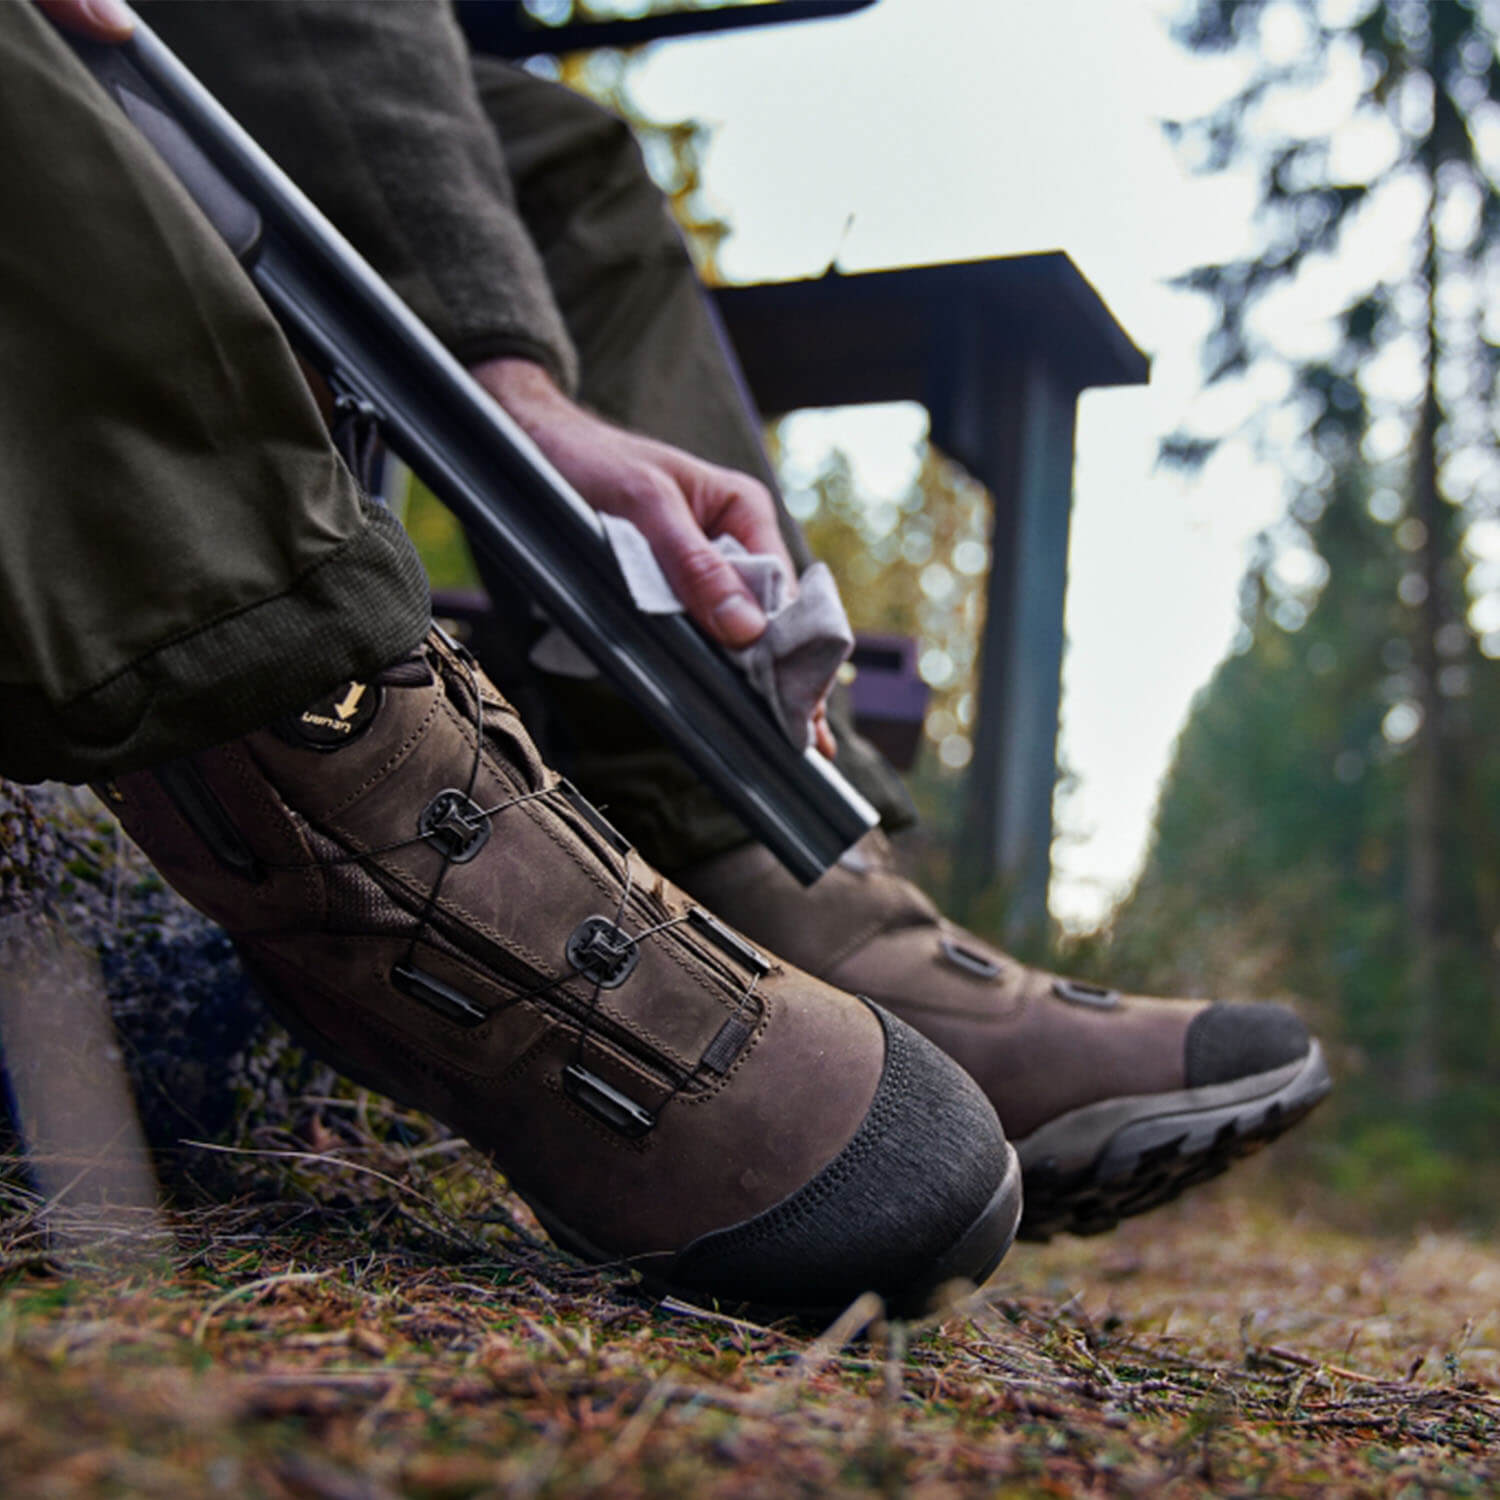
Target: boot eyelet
x,y
970,961
1076,992
728,941
452,1004
455,825
601,952
605,1102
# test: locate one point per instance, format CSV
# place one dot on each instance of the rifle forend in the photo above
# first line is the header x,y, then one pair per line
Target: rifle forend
x,y
514,506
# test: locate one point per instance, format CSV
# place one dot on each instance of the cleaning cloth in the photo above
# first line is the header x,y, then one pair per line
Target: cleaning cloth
x,y
791,666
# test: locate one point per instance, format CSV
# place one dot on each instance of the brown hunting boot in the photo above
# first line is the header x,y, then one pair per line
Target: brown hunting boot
x,y
1115,1103
426,905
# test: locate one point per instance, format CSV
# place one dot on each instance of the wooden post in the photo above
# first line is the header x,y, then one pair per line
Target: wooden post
x,y
998,352
1026,462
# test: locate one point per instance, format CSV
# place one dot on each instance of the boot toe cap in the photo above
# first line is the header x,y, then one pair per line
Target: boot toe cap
x,y
926,1191
1230,1040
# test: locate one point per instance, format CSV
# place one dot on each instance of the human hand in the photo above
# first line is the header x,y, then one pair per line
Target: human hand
x,y
98,20
678,502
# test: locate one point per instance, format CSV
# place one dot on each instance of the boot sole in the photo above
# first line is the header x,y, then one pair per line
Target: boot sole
x,y
972,1257
1090,1168
970,1260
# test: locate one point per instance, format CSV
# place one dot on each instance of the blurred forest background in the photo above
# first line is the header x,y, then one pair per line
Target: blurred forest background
x,y
1329,827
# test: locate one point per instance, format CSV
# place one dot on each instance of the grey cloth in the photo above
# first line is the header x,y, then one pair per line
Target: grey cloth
x,y
792,666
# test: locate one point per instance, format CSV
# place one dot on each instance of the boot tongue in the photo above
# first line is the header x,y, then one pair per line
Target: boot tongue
x,y
410,671
873,862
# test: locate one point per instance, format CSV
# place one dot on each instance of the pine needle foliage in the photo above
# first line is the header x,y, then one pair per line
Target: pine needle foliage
x,y
1333,791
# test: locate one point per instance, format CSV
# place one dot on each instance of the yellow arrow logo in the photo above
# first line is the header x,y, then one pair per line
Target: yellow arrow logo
x,y
346,708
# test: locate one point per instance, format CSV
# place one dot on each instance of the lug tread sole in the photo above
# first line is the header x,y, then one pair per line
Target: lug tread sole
x,y
1152,1161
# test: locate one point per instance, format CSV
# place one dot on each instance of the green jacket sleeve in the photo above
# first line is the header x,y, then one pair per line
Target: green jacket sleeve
x,y
370,106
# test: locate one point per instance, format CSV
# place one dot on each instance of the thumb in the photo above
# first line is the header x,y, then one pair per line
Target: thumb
x,y
99,20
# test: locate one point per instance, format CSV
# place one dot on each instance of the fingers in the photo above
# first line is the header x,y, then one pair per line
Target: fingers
x,y
747,513
823,736
99,20
712,592
678,502
727,503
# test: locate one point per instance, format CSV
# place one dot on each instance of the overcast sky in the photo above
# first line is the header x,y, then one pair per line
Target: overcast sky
x,y
954,129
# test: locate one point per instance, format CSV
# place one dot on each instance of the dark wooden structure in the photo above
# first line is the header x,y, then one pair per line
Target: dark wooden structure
x,y
507,29
998,352
889,696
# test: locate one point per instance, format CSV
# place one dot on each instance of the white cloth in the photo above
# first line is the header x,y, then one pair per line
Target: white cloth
x,y
792,666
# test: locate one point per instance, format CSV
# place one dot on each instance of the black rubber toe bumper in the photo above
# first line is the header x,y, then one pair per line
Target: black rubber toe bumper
x,y
927,1191
1231,1040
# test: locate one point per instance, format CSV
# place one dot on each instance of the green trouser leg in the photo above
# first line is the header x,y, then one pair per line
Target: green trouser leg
x,y
184,556
653,359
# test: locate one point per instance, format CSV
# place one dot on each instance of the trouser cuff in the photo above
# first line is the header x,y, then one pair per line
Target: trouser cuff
x,y
354,611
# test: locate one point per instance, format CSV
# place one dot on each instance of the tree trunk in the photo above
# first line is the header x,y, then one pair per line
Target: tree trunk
x,y
1425,787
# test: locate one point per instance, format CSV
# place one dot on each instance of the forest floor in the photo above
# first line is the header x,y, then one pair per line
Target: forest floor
x,y
372,1318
